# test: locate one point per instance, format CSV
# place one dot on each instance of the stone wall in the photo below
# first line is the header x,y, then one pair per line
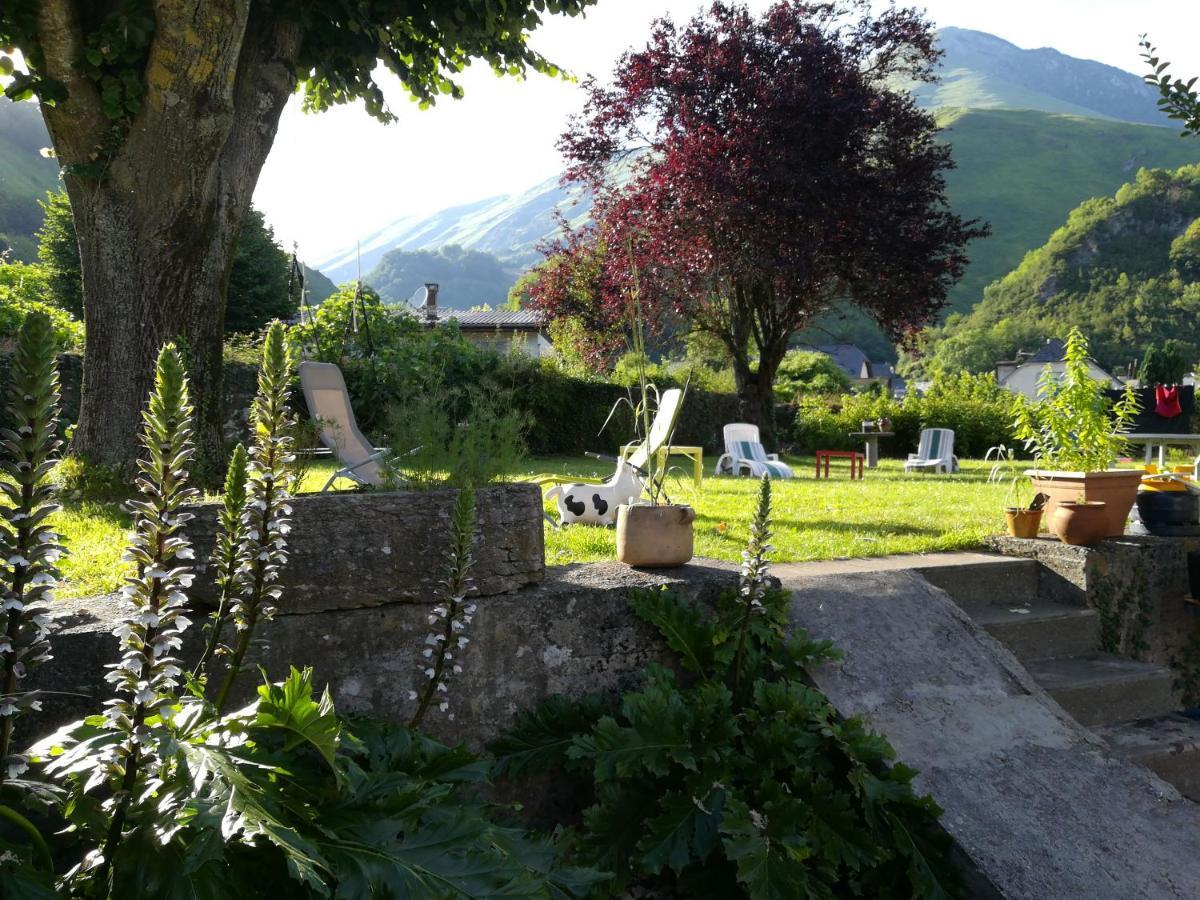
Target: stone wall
x,y
1138,585
360,550
572,634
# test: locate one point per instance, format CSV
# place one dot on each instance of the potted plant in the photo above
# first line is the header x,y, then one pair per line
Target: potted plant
x,y
1080,522
654,532
1024,520
1075,437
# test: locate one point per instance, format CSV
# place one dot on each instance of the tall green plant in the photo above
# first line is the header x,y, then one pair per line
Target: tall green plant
x,y
1070,427
147,676
266,515
738,778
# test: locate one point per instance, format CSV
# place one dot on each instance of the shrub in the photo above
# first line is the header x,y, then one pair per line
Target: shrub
x,y
24,290
806,372
738,778
973,406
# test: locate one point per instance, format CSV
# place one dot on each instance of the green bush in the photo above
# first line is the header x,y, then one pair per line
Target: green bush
x,y
977,409
805,372
25,289
389,373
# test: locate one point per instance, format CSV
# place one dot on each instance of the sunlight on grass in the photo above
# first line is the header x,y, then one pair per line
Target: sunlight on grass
x,y
887,512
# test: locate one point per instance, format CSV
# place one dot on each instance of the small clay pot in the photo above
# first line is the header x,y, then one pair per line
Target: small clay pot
x,y
654,537
1080,524
1023,523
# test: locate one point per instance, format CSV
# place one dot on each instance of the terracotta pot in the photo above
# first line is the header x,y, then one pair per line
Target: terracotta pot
x,y
1115,488
1080,524
654,536
1023,523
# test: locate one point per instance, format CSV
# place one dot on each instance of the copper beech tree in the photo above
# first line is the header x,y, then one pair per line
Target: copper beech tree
x,y
162,113
756,170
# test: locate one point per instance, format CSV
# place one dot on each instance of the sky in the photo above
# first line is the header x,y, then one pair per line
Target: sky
x,y
336,176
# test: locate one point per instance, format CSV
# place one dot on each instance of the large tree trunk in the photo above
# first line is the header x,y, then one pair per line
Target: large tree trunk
x,y
756,401
750,317
158,209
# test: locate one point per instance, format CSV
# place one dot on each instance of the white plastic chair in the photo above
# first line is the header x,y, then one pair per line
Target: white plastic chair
x,y
329,403
595,503
934,451
744,454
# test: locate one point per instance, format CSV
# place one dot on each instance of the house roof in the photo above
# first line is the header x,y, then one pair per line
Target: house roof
x,y
849,357
493,320
1052,351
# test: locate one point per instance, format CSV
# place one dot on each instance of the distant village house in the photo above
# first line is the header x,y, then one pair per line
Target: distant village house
x,y
861,371
500,329
1021,375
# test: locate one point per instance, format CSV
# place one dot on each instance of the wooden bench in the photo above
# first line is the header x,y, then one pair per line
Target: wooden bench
x,y
857,461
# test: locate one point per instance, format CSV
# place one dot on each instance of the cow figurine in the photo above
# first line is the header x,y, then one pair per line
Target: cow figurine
x,y
596,504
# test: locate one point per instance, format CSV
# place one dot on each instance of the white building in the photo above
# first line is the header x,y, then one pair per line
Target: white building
x,y
1021,375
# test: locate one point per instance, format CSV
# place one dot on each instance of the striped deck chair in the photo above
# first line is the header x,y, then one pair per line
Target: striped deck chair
x,y
744,454
935,451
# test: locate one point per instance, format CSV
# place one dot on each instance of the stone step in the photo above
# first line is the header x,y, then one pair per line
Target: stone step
x,y
986,581
1042,630
1168,745
1101,689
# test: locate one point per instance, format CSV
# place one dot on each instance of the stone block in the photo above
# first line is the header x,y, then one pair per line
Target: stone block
x,y
365,549
572,634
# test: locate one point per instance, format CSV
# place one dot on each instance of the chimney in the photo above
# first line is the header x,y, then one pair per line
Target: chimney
x,y
431,310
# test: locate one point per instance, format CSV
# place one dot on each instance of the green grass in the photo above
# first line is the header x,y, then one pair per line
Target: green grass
x,y
887,512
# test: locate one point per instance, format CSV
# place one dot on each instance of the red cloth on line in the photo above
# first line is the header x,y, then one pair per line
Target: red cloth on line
x,y
1166,401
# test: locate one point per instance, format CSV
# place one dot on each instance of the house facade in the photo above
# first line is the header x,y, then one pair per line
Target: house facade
x,y
1021,375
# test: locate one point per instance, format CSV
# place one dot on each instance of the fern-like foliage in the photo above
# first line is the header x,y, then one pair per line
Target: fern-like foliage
x,y
739,778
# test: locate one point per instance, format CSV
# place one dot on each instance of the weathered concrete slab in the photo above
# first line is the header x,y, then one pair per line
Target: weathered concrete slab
x,y
1040,805
357,550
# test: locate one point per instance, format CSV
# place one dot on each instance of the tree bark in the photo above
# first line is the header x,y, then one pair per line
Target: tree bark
x,y
158,224
750,315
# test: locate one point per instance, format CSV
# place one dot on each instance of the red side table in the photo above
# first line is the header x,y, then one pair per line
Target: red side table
x,y
856,461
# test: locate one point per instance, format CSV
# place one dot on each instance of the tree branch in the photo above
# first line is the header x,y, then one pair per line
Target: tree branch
x,y
77,125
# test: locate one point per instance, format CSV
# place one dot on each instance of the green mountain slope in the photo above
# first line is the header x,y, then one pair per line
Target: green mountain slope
x,y
467,278
982,71
25,176
1023,171
1126,268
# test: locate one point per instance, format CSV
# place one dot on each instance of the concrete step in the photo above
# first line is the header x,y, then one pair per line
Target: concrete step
x,y
1101,689
1168,745
1042,630
986,581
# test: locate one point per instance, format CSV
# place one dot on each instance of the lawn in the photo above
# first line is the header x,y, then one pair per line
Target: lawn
x,y
887,512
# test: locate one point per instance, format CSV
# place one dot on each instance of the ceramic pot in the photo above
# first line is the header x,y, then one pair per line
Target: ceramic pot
x,y
654,536
1080,524
1023,523
1115,488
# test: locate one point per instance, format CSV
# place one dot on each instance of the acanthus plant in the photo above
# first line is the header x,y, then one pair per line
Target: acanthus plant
x,y
148,675
266,516
451,617
29,549
166,796
736,778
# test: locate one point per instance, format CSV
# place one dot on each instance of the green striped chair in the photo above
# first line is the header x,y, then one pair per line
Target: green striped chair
x,y
744,454
935,451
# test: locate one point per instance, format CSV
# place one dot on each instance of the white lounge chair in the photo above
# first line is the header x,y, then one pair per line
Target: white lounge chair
x,y
328,402
744,454
935,451
595,503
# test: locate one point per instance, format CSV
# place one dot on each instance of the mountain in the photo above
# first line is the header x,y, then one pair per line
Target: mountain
x,y
509,226
467,278
320,288
25,176
1034,133
1125,267
981,71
